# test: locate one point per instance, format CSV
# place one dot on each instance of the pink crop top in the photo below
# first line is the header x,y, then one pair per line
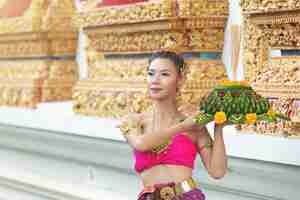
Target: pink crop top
x,y
181,151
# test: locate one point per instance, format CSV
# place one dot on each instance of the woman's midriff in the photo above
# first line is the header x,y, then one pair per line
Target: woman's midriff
x,y
165,174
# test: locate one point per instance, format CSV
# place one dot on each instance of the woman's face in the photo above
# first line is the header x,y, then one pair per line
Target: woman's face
x,y
162,79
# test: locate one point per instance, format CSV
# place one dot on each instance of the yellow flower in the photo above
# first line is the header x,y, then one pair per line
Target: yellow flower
x,y
251,118
220,117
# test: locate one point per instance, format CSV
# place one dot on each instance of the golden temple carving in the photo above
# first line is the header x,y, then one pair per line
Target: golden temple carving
x,y
269,5
139,41
37,52
203,8
120,39
273,25
134,13
150,11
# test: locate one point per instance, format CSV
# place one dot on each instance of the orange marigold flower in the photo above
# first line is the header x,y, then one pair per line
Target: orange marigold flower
x,y
220,117
251,118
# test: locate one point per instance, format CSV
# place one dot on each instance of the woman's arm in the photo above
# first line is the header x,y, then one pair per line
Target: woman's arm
x,y
212,152
144,142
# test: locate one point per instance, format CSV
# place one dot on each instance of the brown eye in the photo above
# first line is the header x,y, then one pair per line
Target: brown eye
x,y
165,74
150,73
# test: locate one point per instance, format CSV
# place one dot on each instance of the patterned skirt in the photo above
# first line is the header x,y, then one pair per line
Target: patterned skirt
x,y
155,194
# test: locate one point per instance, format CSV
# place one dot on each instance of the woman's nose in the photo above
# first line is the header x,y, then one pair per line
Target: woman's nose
x,y
155,78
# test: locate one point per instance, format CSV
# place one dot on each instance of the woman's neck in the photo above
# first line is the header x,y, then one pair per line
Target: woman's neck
x,y
166,109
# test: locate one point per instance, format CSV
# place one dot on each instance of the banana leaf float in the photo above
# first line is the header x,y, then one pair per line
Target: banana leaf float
x,y
236,102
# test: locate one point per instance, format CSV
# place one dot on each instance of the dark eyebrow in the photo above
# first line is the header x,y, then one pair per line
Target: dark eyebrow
x,y
165,70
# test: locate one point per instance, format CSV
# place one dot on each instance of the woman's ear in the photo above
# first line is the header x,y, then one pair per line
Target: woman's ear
x,y
179,84
180,80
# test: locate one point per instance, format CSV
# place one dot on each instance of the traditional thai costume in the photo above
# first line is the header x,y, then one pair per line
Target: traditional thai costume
x,y
181,151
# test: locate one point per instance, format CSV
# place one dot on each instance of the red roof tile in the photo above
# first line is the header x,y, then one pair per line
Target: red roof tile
x,y
14,8
118,2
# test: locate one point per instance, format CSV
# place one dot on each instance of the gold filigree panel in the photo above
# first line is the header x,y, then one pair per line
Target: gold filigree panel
x,y
63,46
121,69
59,79
280,78
269,25
120,98
124,35
27,82
115,87
207,39
196,40
63,69
25,69
20,92
22,49
152,11
200,8
30,21
286,36
127,14
57,89
109,99
260,39
59,16
269,5
45,30
135,42
281,71
41,47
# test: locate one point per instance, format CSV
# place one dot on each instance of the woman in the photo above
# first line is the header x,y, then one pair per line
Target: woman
x,y
165,142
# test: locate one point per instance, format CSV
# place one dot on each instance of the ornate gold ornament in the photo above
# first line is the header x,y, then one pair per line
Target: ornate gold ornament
x,y
120,39
37,54
272,24
167,193
258,6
